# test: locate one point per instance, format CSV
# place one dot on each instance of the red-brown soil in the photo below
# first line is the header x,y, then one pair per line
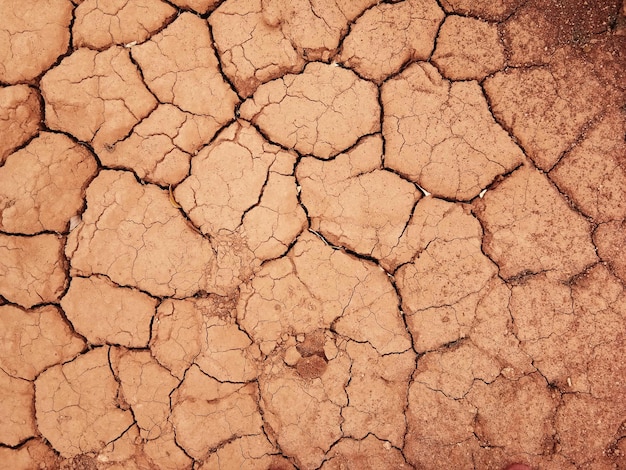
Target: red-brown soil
x,y
312,234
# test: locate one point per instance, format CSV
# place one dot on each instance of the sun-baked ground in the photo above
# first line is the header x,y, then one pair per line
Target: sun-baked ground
x,y
304,234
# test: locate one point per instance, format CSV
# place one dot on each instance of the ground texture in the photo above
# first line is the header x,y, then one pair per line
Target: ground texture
x,y
312,234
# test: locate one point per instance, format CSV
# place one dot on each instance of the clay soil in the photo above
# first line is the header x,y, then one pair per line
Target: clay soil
x,y
312,234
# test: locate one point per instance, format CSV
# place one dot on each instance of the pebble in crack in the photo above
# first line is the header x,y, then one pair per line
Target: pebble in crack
x,y
98,25
322,111
96,96
126,227
34,34
529,227
353,202
41,185
388,36
179,65
76,405
442,135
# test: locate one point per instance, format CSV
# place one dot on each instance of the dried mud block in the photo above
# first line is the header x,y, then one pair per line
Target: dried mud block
x,y
17,421
179,65
453,371
203,331
366,454
34,34
567,330
253,51
442,286
387,36
164,453
377,394
274,223
32,269
588,428
545,109
105,313
497,10
484,57
41,185
493,333
96,96
227,177
32,340
526,402
314,287
200,6
529,228
314,29
100,24
232,409
322,111
134,235
33,454
432,219
77,404
303,414
440,430
146,387
353,203
442,135
610,241
160,147
20,116
593,174
247,453
120,454
176,335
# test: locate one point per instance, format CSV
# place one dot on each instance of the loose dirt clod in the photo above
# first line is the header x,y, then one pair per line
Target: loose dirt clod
x,y
312,234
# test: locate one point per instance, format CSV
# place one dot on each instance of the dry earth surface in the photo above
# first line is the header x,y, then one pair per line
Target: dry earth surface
x,y
312,234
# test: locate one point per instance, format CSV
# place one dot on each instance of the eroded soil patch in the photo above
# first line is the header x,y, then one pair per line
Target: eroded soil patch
x,y
276,234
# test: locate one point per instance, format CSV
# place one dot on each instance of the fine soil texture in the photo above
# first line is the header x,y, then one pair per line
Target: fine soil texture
x,y
312,234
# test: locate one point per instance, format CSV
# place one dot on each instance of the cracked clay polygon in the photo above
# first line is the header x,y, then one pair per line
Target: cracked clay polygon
x,y
312,234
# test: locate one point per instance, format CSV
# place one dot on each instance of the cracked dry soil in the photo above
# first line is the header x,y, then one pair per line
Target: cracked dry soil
x,y
312,234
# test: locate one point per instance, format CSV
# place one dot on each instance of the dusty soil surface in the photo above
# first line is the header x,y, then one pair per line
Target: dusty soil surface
x,y
312,234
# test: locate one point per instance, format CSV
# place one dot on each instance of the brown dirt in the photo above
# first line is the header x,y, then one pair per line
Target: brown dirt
x,y
331,234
